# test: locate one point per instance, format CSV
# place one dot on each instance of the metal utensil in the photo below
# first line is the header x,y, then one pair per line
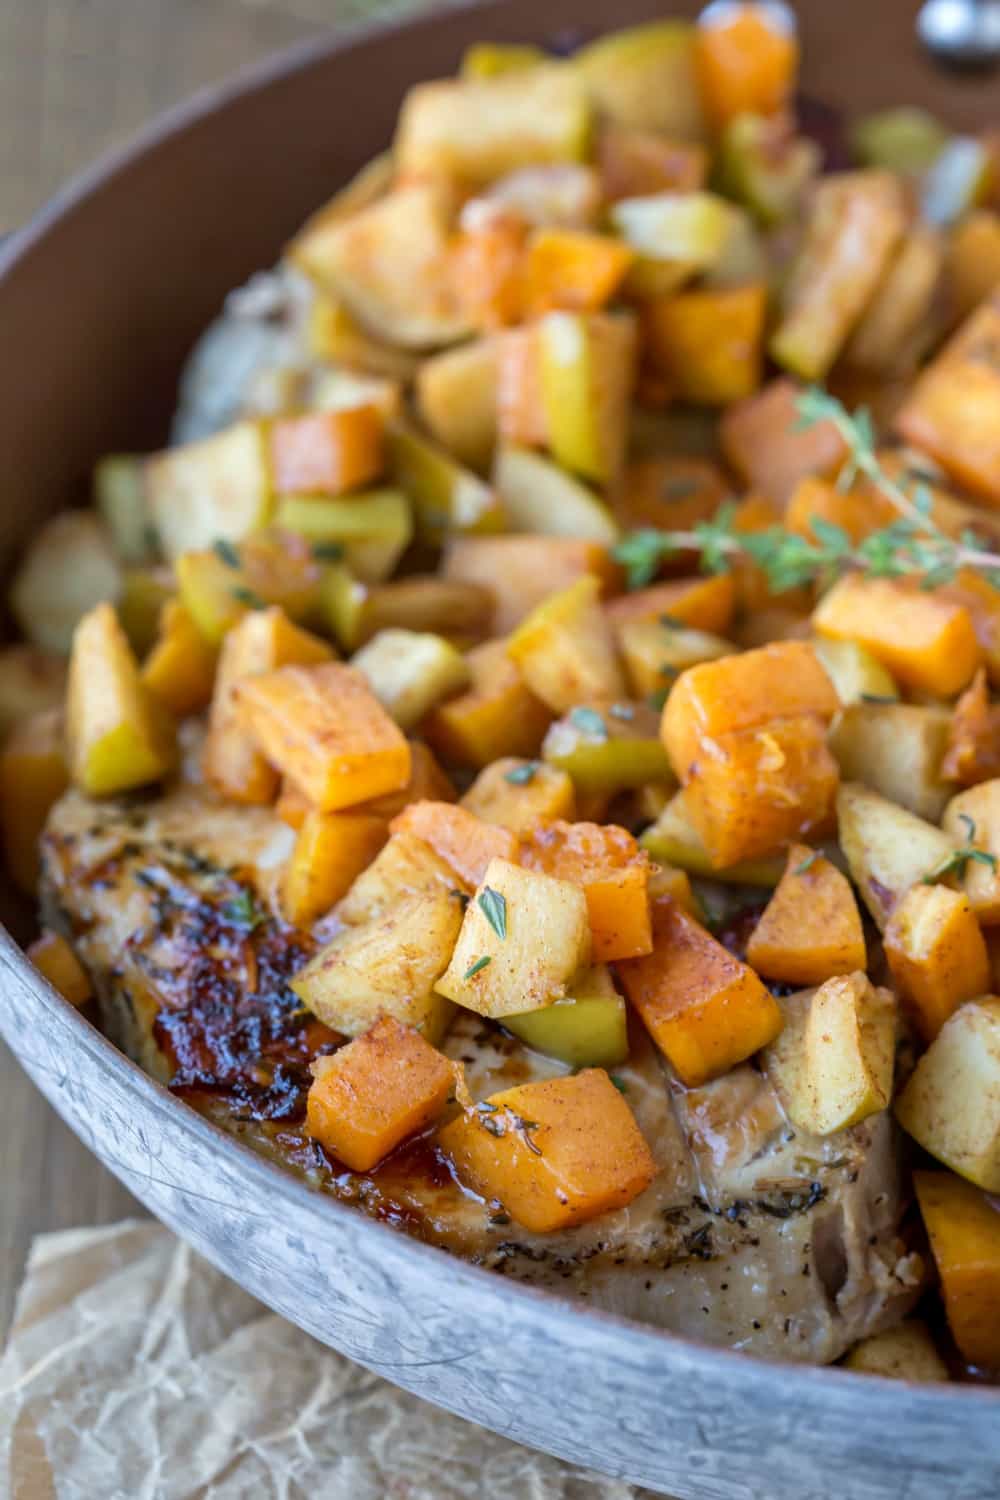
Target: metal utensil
x,y
962,33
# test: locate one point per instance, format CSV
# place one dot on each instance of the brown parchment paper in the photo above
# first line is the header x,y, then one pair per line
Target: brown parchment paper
x,y
135,1371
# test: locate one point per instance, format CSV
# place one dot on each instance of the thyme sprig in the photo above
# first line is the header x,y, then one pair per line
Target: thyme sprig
x,y
913,545
956,862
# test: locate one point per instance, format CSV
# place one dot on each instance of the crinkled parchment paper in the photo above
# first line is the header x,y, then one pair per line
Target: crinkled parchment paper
x,y
135,1371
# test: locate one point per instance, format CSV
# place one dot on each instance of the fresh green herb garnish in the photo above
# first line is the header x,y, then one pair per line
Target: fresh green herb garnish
x,y
657,700
249,598
619,1083
672,622
622,711
226,552
878,698
912,546
807,863
493,906
955,863
477,968
521,775
590,722
327,551
243,911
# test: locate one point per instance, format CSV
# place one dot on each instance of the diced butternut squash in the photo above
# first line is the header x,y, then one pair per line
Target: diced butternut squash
x,y
654,654
180,669
762,441
811,928
326,452
972,754
608,747
707,343
53,957
477,129
487,266
951,1103
972,270
330,852
586,1029
704,1009
520,794
565,651
386,966
924,640
118,737
904,1353
554,1153
888,849
963,1226
365,1099
674,839
534,931
832,1063
456,395
405,867
31,681
897,749
292,806
747,58
33,776
972,818
751,791
571,271
462,840
856,512
522,571
212,490
855,223
982,600
937,955
263,641
520,411
605,862
638,163
702,603
586,375
953,410
428,782
410,671
744,692
499,716
671,491
323,727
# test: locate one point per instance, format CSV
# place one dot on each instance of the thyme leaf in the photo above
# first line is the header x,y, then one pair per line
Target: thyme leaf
x,y
493,906
521,775
590,722
477,967
226,552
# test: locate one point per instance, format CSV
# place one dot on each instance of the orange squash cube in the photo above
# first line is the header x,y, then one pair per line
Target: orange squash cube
x,y
963,1226
699,603
811,928
521,794
750,792
553,1153
857,512
982,601
707,344
180,669
292,806
330,852
487,271
758,605
704,1009
670,491
33,776
925,640
323,727
937,955
571,269
744,691
428,782
262,641
457,836
747,60
521,417
953,410
386,1085
522,571
327,452
763,443
607,864
499,716
973,752
53,957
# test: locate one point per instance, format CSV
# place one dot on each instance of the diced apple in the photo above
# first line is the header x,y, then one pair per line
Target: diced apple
x,y
521,794
371,531
456,395
951,1104
587,371
446,497
833,1061
855,673
535,932
498,716
937,955
646,77
120,499
588,1028
896,749
69,568
405,867
674,839
522,571
539,497
605,862
607,747
972,819
217,489
410,671
888,849
386,966
565,650
904,1353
